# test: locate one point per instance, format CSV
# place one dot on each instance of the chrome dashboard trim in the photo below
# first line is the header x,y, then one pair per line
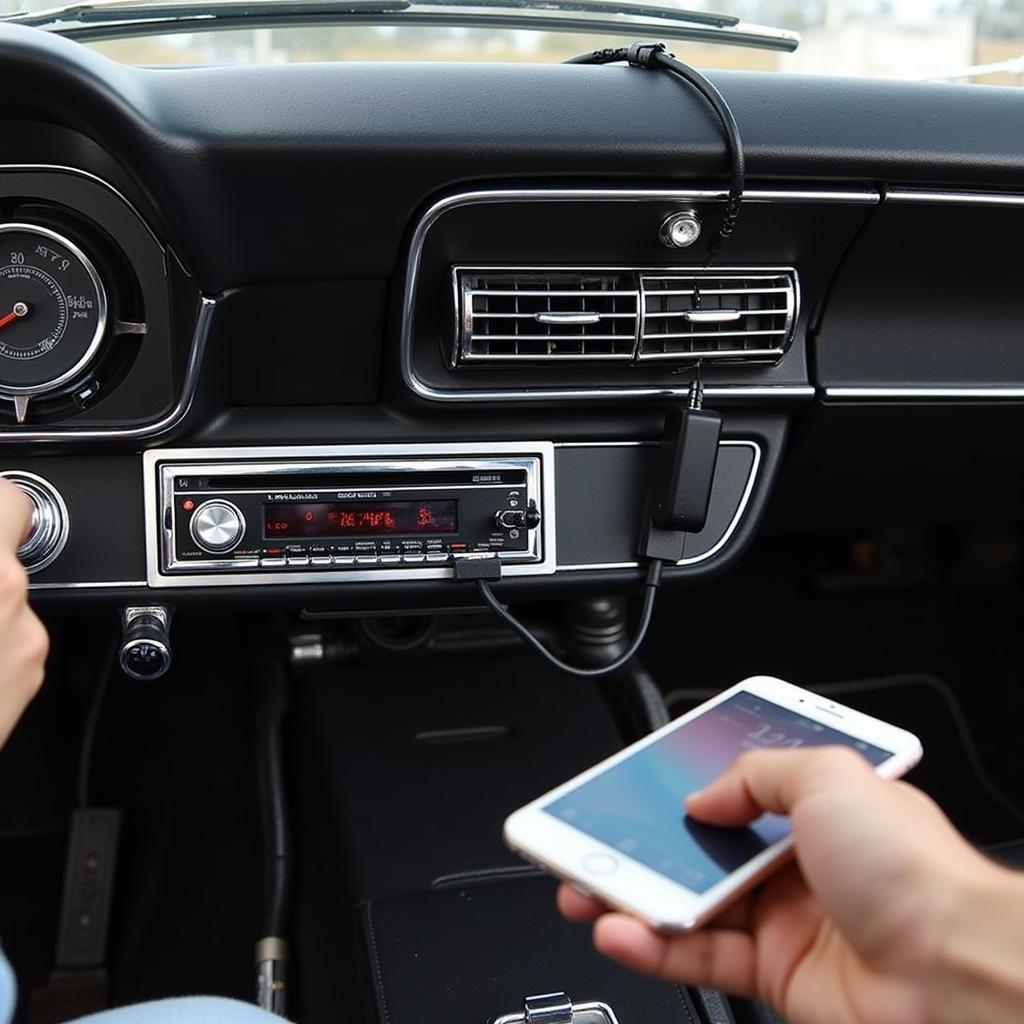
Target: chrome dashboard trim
x,y
965,393
910,195
92,585
146,430
734,523
153,500
433,214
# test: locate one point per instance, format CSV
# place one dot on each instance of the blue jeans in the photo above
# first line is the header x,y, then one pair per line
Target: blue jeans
x,y
188,1010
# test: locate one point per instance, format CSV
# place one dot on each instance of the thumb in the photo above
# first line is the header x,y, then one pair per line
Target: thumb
x,y
15,516
775,781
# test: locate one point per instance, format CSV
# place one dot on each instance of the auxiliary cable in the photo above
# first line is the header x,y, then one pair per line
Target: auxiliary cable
x,y
654,56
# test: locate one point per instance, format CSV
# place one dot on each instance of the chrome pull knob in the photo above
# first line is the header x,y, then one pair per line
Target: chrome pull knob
x,y
217,526
50,522
145,651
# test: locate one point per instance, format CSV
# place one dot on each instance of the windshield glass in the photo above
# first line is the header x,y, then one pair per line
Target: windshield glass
x,y
954,40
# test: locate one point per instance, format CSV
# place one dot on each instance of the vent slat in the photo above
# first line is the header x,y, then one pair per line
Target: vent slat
x,y
761,306
512,315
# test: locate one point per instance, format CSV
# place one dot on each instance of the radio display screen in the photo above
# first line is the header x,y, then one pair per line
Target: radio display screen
x,y
359,519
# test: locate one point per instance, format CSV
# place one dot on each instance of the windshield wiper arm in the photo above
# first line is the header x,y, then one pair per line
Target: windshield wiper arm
x,y
111,19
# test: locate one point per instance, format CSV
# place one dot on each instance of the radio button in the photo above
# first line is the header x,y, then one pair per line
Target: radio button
x,y
217,526
272,563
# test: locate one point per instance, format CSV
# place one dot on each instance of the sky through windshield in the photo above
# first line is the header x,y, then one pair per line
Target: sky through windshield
x,y
957,40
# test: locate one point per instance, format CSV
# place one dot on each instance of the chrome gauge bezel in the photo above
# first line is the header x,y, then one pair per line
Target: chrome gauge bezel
x,y
69,376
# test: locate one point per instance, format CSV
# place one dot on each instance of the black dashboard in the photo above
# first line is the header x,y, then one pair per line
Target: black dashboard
x,y
435,269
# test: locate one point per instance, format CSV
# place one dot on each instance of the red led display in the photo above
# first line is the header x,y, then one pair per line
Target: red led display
x,y
359,519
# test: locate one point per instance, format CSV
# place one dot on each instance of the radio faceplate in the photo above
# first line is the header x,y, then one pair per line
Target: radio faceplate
x,y
346,513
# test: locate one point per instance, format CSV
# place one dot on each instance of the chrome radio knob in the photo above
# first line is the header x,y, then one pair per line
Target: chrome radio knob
x,y
50,522
217,526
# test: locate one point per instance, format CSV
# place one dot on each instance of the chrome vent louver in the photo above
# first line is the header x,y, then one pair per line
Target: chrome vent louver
x,y
712,314
546,315
542,315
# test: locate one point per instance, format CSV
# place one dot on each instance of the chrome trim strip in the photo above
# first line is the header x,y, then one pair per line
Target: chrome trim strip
x,y
906,195
719,544
62,169
153,469
145,430
442,206
87,586
926,392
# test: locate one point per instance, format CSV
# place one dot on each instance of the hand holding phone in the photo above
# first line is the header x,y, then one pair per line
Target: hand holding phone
x,y
621,831
886,915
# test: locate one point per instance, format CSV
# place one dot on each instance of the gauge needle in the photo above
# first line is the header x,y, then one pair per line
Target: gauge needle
x,y
20,309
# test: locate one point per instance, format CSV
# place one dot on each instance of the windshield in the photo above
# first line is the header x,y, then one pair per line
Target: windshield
x,y
953,40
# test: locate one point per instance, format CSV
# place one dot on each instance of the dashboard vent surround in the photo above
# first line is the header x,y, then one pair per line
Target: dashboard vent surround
x,y
743,314
544,315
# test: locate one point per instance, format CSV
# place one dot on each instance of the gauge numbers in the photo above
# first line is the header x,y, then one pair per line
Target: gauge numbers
x,y
53,310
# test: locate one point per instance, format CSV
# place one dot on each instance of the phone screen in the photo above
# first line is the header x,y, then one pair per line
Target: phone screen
x,y
636,806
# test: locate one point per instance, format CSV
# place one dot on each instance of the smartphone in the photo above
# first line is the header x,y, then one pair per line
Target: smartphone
x,y
620,831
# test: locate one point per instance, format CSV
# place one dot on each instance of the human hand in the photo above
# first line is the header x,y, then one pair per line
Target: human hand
x,y
24,643
887,914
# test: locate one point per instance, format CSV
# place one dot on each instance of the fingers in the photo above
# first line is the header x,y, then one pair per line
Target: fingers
x,y
15,516
578,907
585,909
715,957
775,780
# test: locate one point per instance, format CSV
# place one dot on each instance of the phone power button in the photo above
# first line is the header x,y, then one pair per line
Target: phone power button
x,y
599,864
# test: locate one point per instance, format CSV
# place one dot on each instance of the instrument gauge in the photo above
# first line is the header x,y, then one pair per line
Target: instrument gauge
x,y
53,311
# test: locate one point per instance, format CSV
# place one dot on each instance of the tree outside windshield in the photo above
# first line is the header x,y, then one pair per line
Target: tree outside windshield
x,y
971,41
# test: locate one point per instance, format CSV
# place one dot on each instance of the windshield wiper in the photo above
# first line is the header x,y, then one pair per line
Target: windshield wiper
x,y
112,19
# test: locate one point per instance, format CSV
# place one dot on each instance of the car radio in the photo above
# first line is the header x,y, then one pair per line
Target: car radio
x,y
346,513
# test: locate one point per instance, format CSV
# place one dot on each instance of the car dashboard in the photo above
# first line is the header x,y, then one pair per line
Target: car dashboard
x,y
327,329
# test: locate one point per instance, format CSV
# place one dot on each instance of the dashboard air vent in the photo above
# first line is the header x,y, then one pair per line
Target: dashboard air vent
x,y
544,315
715,314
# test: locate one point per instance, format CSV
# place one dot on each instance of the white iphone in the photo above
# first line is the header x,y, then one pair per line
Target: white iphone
x,y
620,830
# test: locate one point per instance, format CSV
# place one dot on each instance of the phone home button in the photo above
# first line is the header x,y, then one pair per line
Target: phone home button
x,y
599,864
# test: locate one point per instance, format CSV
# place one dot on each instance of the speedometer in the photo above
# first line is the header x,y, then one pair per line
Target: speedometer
x,y
53,310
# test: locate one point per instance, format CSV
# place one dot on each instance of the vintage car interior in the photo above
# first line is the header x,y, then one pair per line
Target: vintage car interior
x,y
302,362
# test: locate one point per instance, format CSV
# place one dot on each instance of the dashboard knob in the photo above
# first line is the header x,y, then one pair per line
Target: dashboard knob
x,y
217,526
518,518
50,522
145,651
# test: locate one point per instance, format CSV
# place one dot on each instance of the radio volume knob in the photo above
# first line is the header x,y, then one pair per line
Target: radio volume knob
x,y
217,526
50,524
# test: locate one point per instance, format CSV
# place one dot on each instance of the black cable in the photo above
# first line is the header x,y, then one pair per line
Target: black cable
x,y
92,719
651,585
654,55
271,709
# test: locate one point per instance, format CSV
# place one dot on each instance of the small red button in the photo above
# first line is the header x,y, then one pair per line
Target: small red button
x,y
188,504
